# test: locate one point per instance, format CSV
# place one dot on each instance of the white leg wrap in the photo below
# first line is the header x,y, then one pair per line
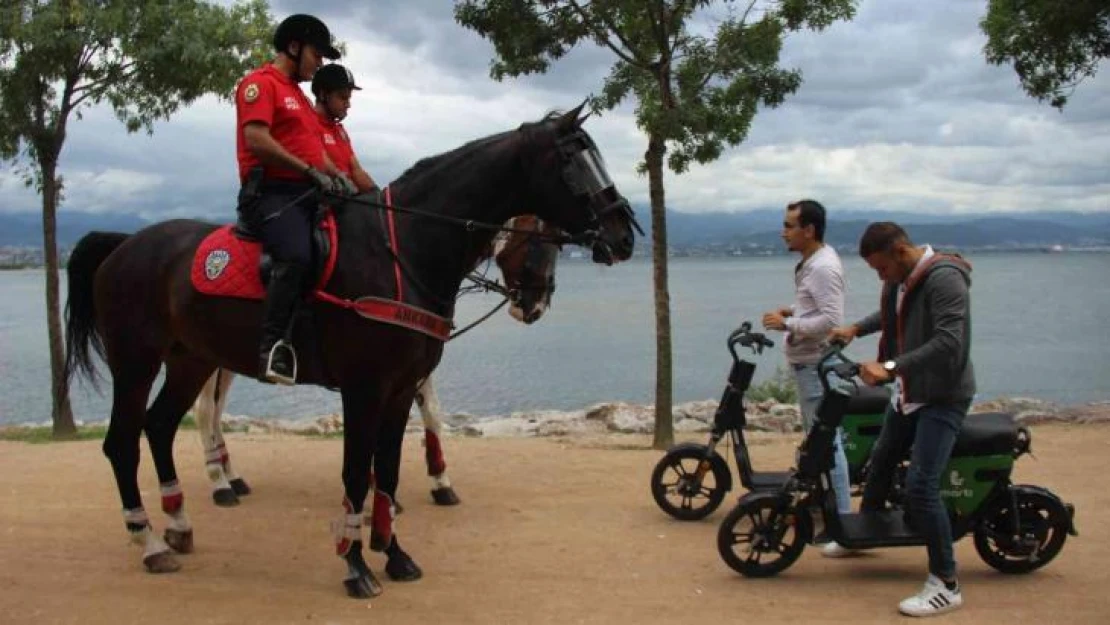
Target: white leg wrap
x,y
152,543
349,527
180,521
441,480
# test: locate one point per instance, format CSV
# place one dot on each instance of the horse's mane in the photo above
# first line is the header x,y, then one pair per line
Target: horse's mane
x,y
429,163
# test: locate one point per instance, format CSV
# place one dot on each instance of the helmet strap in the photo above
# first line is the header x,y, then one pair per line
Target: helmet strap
x,y
296,60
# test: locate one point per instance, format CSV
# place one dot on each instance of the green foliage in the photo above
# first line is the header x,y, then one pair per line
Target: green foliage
x,y
697,91
1053,45
144,58
780,387
44,434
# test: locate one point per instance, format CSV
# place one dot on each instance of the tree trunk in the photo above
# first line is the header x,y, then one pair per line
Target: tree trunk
x,y
664,419
62,413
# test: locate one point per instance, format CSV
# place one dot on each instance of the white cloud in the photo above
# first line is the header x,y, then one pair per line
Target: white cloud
x,y
898,110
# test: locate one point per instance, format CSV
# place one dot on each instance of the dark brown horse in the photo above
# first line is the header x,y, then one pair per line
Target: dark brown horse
x,y
527,264
134,303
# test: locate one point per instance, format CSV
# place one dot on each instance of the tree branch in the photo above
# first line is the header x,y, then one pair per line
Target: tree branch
x,y
629,57
660,30
675,25
716,66
126,71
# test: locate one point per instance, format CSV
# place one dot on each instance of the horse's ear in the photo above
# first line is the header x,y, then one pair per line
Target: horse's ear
x,y
582,120
569,120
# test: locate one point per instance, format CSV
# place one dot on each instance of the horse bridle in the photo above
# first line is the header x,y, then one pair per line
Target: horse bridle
x,y
585,173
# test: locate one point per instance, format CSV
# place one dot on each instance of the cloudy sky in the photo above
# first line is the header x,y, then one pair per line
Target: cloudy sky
x,y
898,110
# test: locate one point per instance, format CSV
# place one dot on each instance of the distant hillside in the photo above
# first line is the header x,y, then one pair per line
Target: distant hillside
x,y
714,230
763,228
25,229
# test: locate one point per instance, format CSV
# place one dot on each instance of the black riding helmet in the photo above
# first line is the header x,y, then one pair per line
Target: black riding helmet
x,y
305,29
332,77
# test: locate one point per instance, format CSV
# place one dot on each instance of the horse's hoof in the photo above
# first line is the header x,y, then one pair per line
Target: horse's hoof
x,y
445,496
402,569
225,498
397,509
240,487
363,587
163,562
179,541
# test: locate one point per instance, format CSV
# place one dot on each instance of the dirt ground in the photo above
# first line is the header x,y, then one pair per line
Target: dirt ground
x,y
549,531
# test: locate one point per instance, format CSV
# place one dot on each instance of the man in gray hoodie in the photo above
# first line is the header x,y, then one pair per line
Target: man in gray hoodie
x,y
925,350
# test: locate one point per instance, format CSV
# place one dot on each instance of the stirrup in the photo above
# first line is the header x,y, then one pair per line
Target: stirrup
x,y
273,376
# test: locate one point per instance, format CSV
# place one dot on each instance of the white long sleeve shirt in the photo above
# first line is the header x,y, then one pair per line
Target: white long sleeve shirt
x,y
818,307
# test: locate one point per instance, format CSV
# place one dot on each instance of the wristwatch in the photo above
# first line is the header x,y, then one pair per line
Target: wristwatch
x,y
890,366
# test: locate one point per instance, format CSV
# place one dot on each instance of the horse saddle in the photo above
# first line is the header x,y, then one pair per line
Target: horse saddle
x,y
230,262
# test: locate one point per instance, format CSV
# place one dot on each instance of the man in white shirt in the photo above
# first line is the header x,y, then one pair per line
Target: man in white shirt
x,y
818,308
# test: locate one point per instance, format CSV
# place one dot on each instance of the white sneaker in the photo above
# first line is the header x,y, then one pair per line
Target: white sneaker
x,y
934,598
833,549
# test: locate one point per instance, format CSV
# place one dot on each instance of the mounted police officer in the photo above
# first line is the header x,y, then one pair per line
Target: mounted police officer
x,y
282,163
332,86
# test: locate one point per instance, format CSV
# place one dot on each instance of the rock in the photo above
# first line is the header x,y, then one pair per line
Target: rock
x,y
691,425
697,410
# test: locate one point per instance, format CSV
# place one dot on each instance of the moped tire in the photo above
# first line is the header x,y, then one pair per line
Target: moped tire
x,y
1044,523
676,475
763,535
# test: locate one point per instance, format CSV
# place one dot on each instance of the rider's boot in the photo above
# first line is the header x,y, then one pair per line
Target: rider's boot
x,y
277,360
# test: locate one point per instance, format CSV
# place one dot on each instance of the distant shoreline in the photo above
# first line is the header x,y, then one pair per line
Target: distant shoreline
x,y
570,255
603,418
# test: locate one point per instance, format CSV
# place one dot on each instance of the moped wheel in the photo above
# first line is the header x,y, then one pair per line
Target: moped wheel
x,y
1044,524
684,488
763,536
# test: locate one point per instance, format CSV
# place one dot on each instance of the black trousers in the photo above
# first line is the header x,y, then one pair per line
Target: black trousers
x,y
282,214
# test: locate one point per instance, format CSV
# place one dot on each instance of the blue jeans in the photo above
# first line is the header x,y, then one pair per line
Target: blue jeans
x,y
932,431
810,393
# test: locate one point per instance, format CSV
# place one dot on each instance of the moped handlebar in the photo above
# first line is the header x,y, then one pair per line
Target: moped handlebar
x,y
846,369
744,337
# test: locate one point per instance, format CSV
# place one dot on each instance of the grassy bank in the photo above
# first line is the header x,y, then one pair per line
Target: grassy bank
x,y
45,433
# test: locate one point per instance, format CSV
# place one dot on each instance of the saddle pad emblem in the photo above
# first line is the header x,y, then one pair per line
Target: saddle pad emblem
x,y
215,263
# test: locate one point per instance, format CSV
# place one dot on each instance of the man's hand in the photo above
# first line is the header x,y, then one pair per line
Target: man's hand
x,y
774,320
345,186
873,373
843,334
320,180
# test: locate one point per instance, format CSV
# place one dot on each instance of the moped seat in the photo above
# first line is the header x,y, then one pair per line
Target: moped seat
x,y
985,434
868,400
769,480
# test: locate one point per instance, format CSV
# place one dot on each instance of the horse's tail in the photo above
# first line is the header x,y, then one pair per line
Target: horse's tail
x,y
81,332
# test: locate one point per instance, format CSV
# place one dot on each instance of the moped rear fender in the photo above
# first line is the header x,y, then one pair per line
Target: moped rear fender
x,y
1029,488
719,466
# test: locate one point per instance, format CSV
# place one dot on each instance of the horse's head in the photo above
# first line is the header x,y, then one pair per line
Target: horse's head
x,y
527,263
572,188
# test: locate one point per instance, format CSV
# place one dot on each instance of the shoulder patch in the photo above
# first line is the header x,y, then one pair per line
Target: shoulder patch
x,y
250,94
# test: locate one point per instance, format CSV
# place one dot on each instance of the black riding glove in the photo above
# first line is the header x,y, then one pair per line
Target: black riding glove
x,y
320,180
345,186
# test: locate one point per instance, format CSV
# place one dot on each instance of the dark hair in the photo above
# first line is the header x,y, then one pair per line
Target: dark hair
x,y
810,213
881,236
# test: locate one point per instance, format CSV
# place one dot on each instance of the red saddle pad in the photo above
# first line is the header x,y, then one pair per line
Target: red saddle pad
x,y
226,265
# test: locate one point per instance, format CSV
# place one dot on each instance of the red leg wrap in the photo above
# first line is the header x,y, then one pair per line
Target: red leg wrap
x,y
433,453
382,519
